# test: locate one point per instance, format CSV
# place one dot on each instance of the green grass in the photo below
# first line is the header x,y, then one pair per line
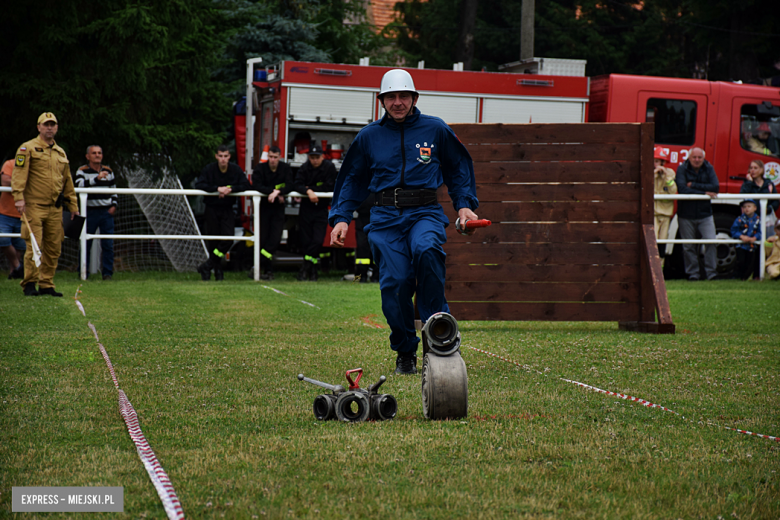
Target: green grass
x,y
210,369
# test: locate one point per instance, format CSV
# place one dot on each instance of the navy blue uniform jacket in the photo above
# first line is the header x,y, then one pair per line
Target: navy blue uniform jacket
x,y
421,152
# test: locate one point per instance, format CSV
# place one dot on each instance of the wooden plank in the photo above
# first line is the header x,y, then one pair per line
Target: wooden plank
x,y
477,311
548,133
542,292
552,192
655,276
530,232
617,211
541,273
533,254
553,152
648,327
572,171
647,173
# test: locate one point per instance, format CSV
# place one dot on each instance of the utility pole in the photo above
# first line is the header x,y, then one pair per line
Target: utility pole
x,y
527,30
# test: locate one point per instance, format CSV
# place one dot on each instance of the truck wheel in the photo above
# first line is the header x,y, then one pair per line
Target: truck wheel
x,y
727,253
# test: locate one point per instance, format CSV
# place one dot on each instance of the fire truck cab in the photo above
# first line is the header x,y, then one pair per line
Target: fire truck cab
x,y
733,123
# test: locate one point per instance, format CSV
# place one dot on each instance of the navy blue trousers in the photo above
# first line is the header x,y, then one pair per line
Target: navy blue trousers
x,y
407,245
100,218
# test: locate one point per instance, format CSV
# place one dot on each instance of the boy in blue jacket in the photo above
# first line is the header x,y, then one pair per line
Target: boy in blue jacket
x,y
747,227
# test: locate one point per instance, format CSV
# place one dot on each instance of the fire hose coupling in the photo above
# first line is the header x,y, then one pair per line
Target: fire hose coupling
x,y
463,228
353,405
441,334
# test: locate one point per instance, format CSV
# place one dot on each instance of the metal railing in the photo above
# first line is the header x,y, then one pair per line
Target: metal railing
x,y
84,193
762,202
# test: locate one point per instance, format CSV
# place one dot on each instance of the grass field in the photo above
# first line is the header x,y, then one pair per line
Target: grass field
x,y
211,370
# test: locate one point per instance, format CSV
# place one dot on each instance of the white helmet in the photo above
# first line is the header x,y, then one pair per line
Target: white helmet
x,y
396,80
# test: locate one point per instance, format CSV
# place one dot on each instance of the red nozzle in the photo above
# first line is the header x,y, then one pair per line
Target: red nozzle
x,y
353,385
473,224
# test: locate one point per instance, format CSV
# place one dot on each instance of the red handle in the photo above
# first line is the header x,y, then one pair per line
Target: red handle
x,y
473,224
353,385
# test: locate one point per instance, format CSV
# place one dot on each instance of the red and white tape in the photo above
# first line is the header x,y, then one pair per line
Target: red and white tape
x,y
643,402
157,474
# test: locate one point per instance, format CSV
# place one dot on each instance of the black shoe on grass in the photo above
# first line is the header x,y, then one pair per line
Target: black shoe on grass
x,y
17,273
406,363
49,291
29,290
219,275
205,271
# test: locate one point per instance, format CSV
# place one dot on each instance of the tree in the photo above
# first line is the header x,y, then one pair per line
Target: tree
x,y
720,40
305,30
134,77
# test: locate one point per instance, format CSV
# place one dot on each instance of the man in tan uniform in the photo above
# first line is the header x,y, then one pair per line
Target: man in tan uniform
x,y
41,184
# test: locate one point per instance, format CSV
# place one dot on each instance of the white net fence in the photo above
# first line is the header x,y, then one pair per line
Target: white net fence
x,y
145,215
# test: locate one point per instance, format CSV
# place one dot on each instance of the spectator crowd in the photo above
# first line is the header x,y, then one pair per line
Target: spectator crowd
x,y
43,185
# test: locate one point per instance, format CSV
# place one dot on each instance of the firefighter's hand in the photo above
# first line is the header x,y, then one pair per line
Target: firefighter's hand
x,y
74,214
465,214
224,190
312,196
19,206
712,194
338,234
273,195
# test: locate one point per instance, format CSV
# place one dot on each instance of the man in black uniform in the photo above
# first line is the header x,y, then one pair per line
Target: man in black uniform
x,y
274,178
315,175
225,178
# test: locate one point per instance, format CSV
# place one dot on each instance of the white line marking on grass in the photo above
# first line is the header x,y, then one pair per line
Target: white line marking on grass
x,y
285,294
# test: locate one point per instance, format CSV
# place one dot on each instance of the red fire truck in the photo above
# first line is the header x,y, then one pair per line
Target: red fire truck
x,y
299,102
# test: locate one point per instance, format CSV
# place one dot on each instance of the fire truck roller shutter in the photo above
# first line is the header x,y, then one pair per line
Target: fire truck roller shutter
x,y
525,110
331,105
452,109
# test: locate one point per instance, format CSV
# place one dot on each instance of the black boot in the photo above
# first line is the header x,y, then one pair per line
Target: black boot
x,y
17,273
29,290
406,363
219,275
49,291
313,272
303,274
205,271
361,272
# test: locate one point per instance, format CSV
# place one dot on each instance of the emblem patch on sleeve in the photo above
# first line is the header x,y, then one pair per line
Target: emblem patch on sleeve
x,y
20,160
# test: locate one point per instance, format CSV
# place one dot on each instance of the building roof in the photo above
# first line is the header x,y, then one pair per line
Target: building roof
x,y
381,13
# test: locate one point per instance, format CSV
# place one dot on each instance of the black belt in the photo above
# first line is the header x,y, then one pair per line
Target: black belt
x,y
401,198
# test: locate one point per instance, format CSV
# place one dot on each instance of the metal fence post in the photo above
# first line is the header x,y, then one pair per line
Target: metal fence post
x,y
256,217
761,247
83,237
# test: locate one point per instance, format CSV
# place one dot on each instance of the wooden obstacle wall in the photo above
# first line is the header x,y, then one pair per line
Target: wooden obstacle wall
x,y
572,236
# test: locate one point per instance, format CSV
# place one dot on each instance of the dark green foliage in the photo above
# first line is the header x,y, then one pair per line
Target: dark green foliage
x,y
153,81
132,77
690,38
